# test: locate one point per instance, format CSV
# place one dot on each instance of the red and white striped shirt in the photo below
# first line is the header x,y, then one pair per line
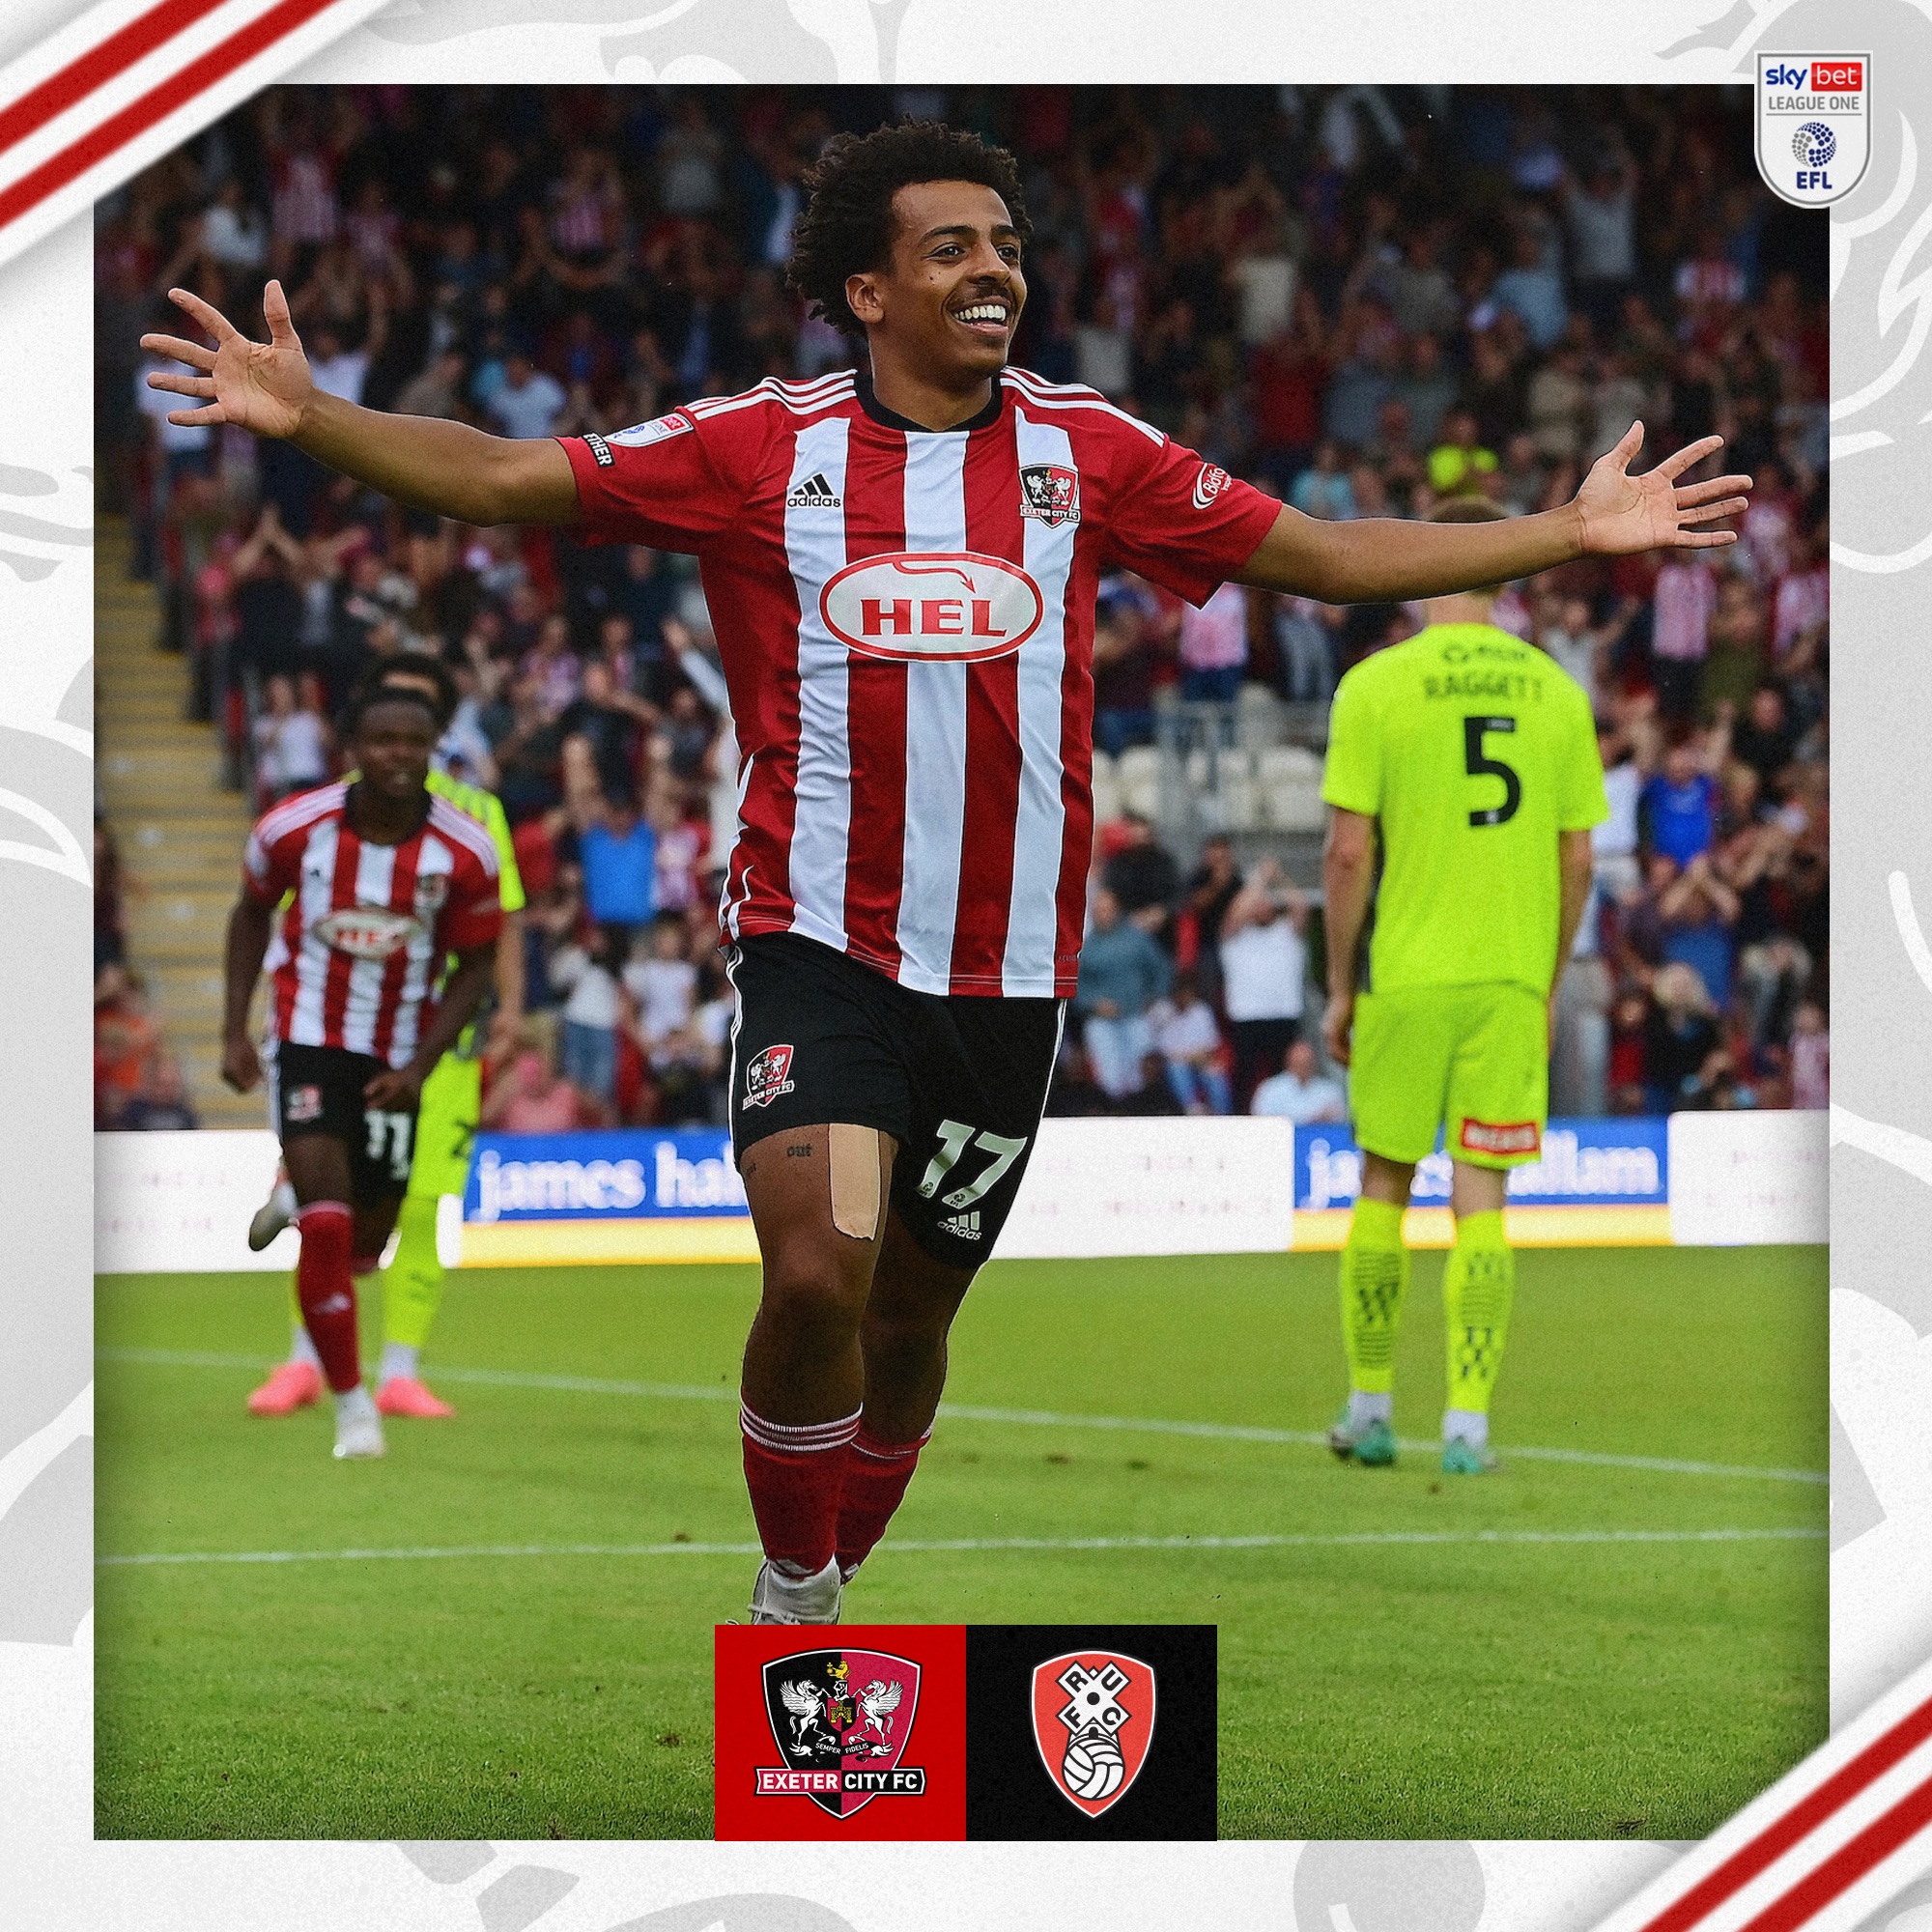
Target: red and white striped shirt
x,y
368,927
906,622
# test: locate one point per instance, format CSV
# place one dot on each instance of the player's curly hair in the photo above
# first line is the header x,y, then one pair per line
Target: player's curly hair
x,y
847,224
372,690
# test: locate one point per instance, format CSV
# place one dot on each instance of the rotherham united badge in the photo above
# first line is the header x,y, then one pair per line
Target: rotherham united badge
x,y
841,1719
1092,1720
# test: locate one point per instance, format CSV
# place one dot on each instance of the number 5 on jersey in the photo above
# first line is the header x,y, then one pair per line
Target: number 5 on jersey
x,y
1478,766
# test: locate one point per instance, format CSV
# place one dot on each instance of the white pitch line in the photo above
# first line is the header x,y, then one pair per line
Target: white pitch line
x,y
983,1542
1223,1432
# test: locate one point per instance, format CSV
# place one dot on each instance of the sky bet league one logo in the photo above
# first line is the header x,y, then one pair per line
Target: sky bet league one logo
x,y
1813,124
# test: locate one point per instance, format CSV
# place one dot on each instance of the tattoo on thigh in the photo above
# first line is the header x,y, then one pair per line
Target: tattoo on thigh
x,y
799,1150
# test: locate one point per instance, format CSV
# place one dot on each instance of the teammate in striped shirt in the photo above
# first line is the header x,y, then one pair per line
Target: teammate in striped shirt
x,y
452,1096
902,564
379,884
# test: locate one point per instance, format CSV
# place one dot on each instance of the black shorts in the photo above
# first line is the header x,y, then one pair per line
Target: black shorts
x,y
318,1090
957,1080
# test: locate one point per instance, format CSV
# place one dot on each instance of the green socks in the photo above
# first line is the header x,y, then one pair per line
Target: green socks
x,y
1478,1287
1374,1277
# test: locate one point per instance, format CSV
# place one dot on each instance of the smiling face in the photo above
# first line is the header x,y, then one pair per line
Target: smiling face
x,y
393,742
945,302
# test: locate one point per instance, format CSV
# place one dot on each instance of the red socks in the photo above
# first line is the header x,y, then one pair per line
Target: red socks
x,y
326,1289
876,1475
793,1472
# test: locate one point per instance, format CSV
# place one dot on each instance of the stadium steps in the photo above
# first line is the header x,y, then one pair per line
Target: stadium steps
x,y
180,833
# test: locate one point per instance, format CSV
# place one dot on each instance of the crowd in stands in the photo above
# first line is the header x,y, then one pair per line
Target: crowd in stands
x,y
1363,300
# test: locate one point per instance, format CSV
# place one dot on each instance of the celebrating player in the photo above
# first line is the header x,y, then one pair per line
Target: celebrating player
x,y
1465,762
901,564
452,1098
383,882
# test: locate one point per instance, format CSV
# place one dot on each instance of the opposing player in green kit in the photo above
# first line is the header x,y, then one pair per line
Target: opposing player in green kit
x,y
446,1131
1464,779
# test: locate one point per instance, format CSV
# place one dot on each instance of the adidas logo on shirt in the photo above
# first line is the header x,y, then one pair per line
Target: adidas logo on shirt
x,y
813,494
966,1227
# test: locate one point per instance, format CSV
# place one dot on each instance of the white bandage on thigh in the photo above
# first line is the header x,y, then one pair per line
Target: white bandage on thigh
x,y
855,1181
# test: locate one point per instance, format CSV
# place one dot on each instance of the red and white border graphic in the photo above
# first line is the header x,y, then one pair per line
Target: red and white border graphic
x,y
98,99
1824,1848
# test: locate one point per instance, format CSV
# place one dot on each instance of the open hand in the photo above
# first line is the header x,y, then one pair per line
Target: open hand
x,y
1623,514
264,387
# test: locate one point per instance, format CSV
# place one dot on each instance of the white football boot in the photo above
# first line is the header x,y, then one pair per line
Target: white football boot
x,y
273,1214
778,1598
358,1428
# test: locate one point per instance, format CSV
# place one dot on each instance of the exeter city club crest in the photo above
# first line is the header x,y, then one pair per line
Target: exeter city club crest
x,y
1050,492
1092,1720
841,1719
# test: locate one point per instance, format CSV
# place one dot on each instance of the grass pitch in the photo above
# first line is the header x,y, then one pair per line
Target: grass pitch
x,y
1570,1648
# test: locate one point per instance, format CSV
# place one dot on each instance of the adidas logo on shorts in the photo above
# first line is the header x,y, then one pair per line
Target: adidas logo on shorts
x,y
813,494
964,1227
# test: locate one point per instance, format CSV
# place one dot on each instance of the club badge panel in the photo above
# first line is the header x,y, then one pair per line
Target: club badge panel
x,y
849,1731
940,1731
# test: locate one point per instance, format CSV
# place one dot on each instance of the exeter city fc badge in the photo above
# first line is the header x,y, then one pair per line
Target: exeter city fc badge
x,y
841,1719
1092,1720
767,1075
1813,124
1049,493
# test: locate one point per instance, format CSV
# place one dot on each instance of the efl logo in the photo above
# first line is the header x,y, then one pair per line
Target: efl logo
x,y
953,607
1092,1721
654,431
768,1077
1499,1138
1813,124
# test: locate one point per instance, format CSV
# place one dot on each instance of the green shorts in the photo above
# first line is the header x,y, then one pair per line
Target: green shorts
x,y
452,1098
1473,1061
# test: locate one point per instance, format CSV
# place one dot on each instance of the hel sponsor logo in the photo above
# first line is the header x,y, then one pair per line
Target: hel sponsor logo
x,y
1093,1722
814,493
302,1105
368,932
841,1719
654,431
955,606
1500,1137
1050,492
599,449
768,1075
1209,483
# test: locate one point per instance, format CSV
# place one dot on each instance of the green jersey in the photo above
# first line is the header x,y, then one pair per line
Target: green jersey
x,y
1471,750
486,806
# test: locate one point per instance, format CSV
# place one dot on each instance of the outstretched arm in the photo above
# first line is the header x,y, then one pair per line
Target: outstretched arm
x,y
1384,559
423,462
